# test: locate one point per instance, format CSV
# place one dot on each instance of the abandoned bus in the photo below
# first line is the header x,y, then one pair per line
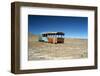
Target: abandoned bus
x,y
52,37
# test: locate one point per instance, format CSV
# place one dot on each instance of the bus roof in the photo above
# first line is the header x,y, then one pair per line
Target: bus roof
x,y
53,33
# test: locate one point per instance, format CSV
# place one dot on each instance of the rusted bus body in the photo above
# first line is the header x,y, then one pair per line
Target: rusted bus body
x,y
60,40
53,37
52,40
55,40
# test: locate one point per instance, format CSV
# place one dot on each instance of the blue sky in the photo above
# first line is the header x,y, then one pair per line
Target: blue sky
x,y
73,27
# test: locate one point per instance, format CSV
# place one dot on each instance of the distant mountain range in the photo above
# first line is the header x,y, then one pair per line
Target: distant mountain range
x,y
32,37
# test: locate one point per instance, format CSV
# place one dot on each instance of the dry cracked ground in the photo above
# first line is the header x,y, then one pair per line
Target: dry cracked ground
x,y
70,49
